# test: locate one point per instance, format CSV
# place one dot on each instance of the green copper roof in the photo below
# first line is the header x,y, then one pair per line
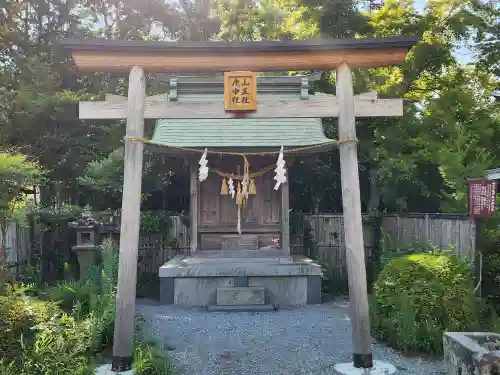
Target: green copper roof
x,y
223,133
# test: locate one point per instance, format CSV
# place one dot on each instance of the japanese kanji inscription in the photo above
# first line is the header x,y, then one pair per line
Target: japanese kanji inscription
x,y
240,91
482,198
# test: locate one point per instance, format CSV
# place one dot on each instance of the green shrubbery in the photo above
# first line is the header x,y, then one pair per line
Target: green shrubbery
x,y
61,330
38,338
488,244
18,314
419,296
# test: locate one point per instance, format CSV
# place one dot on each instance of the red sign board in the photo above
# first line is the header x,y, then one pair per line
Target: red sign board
x,y
482,197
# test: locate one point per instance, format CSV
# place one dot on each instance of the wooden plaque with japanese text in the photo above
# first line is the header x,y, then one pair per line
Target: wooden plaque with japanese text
x,y
482,198
240,91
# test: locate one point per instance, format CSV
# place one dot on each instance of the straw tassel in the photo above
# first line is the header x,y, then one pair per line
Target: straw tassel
x,y
239,196
238,222
252,189
224,189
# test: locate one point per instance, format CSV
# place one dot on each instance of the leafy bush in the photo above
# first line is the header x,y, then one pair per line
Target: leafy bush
x,y
70,293
36,338
149,361
31,329
18,314
418,296
93,299
488,244
147,357
61,334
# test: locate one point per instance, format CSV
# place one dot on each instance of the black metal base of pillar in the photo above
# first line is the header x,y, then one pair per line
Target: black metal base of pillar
x,y
121,364
362,360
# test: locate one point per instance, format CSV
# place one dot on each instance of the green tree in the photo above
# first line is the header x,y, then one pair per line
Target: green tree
x,y
487,38
246,20
466,129
405,155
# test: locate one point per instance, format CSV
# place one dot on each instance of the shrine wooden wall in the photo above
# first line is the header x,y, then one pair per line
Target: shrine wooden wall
x,y
218,213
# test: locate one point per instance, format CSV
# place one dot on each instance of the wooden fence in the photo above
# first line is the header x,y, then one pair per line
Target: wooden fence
x,y
156,250
445,231
396,233
17,246
328,241
455,232
326,231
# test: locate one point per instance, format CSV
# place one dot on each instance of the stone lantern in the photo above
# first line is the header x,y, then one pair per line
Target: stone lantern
x,y
86,241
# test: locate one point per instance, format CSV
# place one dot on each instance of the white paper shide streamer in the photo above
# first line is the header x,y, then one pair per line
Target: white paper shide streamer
x,y
230,184
280,170
203,170
244,188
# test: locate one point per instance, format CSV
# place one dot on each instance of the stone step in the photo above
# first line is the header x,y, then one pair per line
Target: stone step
x,y
241,308
241,296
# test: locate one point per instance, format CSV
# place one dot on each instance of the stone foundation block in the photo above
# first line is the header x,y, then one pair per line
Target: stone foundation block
x,y
471,353
240,296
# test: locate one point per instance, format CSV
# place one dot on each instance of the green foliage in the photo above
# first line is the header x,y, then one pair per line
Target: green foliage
x,y
45,339
38,339
149,361
488,245
148,358
58,214
419,296
18,314
60,347
391,249
60,334
155,222
93,298
105,175
103,178
486,18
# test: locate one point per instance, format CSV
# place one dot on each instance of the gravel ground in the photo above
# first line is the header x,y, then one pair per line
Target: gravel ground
x,y
299,341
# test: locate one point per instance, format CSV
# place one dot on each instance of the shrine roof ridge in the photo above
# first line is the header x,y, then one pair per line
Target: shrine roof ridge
x,y
228,48
218,79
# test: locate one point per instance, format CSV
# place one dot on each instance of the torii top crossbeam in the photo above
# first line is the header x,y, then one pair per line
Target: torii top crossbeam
x,y
219,56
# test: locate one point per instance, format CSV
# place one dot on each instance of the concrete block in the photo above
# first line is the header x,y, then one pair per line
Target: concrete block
x,y
471,353
182,266
167,290
240,296
313,290
282,291
199,291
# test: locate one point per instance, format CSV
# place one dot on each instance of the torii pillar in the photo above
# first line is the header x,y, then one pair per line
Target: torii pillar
x,y
130,224
351,202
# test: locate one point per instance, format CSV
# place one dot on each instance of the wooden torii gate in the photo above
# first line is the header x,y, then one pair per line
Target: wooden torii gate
x,y
138,57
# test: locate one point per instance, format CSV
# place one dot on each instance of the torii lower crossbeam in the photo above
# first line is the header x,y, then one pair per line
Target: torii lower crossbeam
x,y
319,105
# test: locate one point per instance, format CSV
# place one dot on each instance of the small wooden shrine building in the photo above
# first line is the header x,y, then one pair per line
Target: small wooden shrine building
x,y
240,245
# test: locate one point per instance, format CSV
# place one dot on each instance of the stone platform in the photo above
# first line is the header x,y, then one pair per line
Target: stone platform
x,y
194,281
